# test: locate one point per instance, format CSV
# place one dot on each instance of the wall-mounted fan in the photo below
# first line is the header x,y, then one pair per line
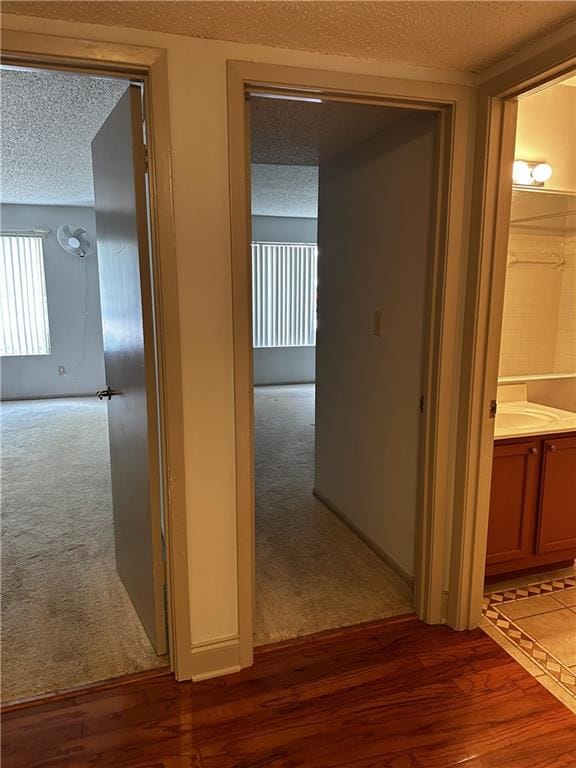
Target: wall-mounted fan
x,y
75,240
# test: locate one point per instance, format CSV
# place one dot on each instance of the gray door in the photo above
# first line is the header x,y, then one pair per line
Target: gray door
x,y
119,166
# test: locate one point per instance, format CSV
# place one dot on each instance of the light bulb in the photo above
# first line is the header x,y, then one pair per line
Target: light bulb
x,y
521,173
541,172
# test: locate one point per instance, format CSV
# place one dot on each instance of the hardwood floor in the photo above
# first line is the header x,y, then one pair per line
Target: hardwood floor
x,y
389,694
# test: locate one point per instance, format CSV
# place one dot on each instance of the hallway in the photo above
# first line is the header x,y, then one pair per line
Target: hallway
x,y
312,572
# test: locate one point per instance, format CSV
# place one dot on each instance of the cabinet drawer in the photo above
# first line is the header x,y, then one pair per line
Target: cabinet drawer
x,y
557,514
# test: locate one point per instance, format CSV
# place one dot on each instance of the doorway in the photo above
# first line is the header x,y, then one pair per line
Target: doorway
x,y
530,574
83,571
450,104
340,284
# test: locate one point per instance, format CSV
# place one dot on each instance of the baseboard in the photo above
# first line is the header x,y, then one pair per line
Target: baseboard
x,y
258,385
335,633
444,607
215,658
59,396
102,685
390,562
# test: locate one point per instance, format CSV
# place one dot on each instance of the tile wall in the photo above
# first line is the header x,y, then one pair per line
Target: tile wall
x,y
539,321
566,343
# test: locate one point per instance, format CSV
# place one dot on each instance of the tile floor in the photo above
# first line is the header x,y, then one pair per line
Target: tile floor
x,y
534,619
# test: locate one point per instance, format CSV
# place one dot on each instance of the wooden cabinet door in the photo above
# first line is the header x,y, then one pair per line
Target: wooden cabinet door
x,y
557,518
513,502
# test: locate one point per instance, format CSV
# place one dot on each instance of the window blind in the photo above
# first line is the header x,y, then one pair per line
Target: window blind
x,y
24,328
284,278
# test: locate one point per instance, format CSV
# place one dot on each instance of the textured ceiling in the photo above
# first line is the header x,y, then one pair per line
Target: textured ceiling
x,y
48,122
285,190
290,132
458,35
290,138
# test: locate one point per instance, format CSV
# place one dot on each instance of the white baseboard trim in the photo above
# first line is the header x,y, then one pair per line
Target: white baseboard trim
x,y
58,396
404,575
444,606
215,658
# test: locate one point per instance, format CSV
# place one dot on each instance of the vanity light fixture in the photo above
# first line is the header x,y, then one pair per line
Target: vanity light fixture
x,y
541,173
528,174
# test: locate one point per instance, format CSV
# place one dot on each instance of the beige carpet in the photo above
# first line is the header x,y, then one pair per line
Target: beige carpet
x,y
66,619
312,572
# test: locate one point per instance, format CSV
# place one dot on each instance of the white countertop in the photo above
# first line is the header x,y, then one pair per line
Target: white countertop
x,y
522,418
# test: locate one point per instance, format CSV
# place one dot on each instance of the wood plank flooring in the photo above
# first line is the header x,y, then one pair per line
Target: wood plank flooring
x,y
389,694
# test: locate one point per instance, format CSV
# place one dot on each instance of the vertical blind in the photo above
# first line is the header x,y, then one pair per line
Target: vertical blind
x,y
23,308
284,294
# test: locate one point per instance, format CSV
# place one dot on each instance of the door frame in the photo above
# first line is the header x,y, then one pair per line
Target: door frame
x,y
491,205
453,105
148,66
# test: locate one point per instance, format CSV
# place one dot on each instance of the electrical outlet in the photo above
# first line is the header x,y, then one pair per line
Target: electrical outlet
x,y
61,370
377,323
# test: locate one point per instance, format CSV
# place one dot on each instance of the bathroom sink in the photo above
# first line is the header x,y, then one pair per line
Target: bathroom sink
x,y
509,420
523,417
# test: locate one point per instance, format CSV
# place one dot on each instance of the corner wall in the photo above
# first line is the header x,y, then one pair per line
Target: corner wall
x,y
375,240
75,336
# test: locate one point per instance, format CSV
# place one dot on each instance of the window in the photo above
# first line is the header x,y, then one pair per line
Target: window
x,y
23,307
284,294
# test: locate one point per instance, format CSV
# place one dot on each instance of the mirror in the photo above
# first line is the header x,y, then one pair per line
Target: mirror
x,y
537,340
540,211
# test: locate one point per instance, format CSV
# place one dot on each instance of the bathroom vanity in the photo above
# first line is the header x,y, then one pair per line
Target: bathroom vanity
x,y
533,498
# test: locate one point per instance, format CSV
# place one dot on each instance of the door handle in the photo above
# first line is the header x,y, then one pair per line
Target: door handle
x,y
108,392
552,448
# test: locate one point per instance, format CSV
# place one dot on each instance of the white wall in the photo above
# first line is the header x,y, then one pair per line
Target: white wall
x,y
284,365
546,130
197,76
284,229
374,235
557,393
75,336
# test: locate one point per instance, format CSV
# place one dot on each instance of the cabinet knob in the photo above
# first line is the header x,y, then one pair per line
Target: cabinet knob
x,y
552,447
534,451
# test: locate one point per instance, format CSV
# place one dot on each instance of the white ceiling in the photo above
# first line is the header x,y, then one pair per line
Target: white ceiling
x,y
300,132
285,190
48,122
469,35
290,138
